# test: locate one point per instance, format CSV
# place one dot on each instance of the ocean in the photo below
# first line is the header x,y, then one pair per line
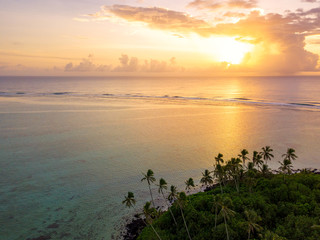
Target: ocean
x,y
72,147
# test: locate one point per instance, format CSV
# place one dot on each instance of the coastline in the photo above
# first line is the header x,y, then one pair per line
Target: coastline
x,y
135,224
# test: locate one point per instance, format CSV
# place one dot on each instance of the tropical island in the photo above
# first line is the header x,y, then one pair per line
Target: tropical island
x,y
243,199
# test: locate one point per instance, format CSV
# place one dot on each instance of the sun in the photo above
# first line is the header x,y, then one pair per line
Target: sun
x,y
225,49
232,51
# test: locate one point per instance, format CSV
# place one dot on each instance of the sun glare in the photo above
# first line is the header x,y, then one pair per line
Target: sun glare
x,y
226,49
232,51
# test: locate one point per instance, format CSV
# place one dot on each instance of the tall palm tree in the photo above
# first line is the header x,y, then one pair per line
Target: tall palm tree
x,y
182,198
163,186
234,167
149,177
206,178
252,219
257,159
149,213
189,183
290,154
243,156
219,159
216,202
173,194
266,153
226,212
129,201
219,173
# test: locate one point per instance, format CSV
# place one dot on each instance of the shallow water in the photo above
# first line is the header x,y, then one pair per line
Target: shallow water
x,y
69,152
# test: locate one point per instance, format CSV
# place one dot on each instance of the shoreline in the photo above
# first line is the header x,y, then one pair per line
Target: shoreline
x,y
135,224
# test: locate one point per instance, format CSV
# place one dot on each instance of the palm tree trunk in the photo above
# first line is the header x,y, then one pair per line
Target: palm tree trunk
x,y
248,234
169,208
220,186
151,194
235,182
225,224
215,218
185,224
150,225
155,231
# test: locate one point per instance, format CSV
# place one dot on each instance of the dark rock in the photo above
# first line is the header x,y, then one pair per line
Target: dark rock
x,y
40,238
65,235
53,225
133,229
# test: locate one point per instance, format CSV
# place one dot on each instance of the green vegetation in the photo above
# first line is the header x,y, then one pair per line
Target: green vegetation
x,y
247,202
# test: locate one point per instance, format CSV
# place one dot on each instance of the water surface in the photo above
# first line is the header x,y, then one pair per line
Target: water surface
x,y
71,148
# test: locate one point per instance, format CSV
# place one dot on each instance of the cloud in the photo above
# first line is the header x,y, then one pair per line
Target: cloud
x,y
216,4
133,64
159,18
126,64
234,14
279,38
86,65
309,1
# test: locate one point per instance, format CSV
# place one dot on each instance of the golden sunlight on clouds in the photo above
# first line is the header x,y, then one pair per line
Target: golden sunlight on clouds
x,y
203,36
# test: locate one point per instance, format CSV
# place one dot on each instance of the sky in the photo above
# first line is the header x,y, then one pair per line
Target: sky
x,y
154,37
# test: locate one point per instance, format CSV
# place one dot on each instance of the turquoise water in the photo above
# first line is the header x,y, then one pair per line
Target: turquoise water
x,y
71,148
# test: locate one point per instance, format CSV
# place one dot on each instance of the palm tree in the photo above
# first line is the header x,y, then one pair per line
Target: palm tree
x,y
257,159
266,153
163,185
265,170
219,158
207,178
172,194
219,173
286,166
216,202
149,213
252,219
182,198
129,200
189,183
226,212
243,156
234,167
150,179
290,154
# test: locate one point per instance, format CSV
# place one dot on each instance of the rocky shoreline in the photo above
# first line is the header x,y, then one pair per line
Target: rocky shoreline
x,y
133,228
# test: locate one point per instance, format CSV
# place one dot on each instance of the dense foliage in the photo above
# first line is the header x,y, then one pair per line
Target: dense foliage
x,y
248,201
274,208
